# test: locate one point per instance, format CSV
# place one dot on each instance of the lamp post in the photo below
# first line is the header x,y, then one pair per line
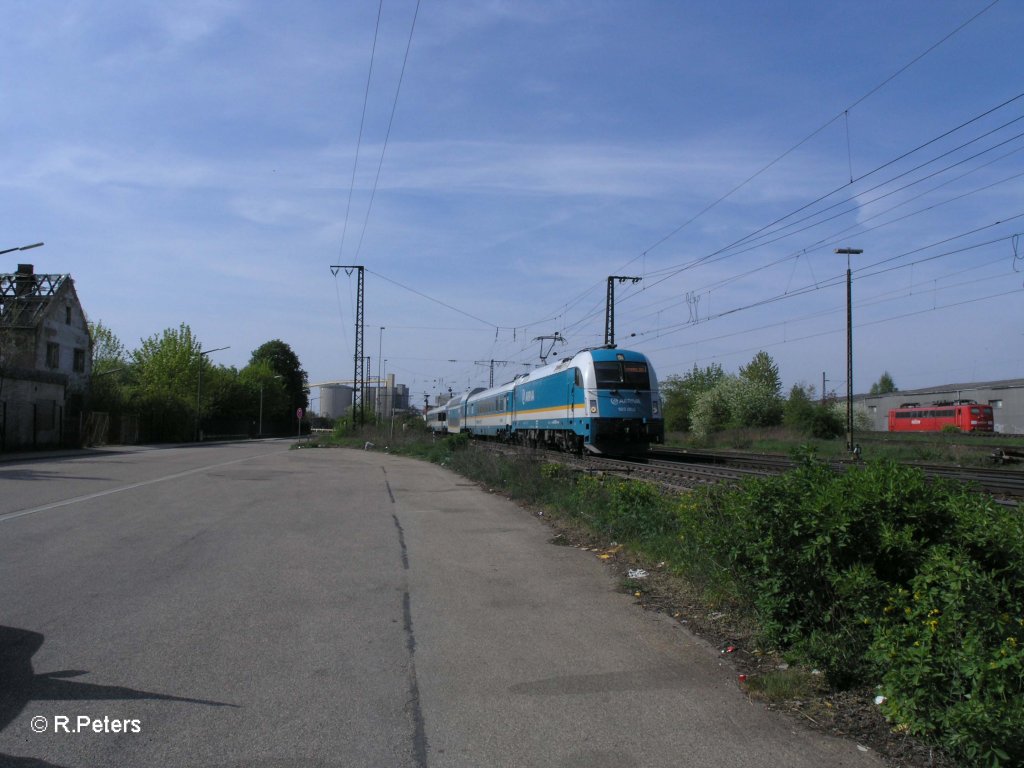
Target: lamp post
x,y
278,376
849,345
199,389
380,346
21,248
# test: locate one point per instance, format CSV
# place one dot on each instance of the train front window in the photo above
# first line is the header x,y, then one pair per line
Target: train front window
x,y
629,375
635,375
609,375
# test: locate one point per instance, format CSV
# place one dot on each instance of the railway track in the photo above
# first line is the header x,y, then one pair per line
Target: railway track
x,y
684,469
1002,483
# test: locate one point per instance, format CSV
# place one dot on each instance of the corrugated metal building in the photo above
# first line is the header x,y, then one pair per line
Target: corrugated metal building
x,y
1006,398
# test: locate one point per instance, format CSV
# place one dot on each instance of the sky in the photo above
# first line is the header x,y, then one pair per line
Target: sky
x,y
492,163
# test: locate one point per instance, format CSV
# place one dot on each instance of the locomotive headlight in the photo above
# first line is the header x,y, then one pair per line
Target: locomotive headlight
x,y
593,406
655,407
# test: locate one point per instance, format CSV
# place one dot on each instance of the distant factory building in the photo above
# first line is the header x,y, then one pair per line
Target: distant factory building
x,y
45,359
1006,398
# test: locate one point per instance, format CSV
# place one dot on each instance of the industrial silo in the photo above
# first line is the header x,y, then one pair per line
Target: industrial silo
x,y
335,400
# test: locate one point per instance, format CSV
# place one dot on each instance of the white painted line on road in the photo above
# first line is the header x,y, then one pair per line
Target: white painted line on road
x,y
101,494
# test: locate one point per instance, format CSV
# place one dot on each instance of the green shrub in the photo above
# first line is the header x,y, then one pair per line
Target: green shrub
x,y
952,647
950,644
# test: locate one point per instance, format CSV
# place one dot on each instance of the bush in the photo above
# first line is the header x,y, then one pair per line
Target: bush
x,y
878,574
950,644
735,402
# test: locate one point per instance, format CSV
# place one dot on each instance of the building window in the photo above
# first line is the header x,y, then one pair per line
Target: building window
x,y
79,361
52,355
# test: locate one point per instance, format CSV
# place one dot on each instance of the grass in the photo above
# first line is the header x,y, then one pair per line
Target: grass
x,y
785,685
944,448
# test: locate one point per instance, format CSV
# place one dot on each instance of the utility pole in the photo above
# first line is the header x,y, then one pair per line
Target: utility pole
x,y
609,307
849,344
359,376
492,363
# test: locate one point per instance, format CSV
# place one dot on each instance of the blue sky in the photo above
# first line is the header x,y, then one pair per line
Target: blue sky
x,y
193,162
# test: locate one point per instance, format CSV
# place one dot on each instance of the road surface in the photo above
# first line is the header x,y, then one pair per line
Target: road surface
x,y
250,605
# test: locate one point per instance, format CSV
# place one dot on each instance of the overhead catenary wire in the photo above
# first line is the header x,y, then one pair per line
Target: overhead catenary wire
x,y
811,135
362,122
643,254
387,135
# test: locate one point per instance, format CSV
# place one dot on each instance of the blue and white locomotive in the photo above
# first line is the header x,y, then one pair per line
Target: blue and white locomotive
x,y
601,400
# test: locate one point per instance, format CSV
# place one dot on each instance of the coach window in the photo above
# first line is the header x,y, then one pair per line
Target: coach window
x,y
996,403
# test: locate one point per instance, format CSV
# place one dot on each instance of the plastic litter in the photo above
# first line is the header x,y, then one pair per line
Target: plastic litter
x,y
637,573
879,700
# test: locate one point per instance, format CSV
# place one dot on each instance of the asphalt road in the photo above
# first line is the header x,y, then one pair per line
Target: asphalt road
x,y
250,605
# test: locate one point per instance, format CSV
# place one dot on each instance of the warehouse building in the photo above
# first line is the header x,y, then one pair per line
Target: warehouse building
x,y
1006,398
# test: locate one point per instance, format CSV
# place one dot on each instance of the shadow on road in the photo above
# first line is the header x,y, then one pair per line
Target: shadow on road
x,y
19,684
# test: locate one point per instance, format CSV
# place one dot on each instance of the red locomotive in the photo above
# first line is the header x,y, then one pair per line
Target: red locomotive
x,y
965,415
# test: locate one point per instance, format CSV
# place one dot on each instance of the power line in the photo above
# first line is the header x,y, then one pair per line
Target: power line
x,y
810,136
391,120
362,121
436,301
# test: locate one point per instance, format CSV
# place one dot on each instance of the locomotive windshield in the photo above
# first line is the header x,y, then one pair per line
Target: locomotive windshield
x,y
625,374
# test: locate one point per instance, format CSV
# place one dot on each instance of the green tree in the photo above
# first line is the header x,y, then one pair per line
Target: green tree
x,y
107,350
166,366
285,363
164,383
736,402
107,391
262,382
763,370
804,413
884,385
799,409
679,393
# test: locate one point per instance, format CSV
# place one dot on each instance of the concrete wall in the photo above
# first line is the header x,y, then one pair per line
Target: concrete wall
x,y
32,408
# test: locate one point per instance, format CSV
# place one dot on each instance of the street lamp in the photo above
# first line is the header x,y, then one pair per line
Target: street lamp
x,y
380,345
199,388
278,376
21,248
849,345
